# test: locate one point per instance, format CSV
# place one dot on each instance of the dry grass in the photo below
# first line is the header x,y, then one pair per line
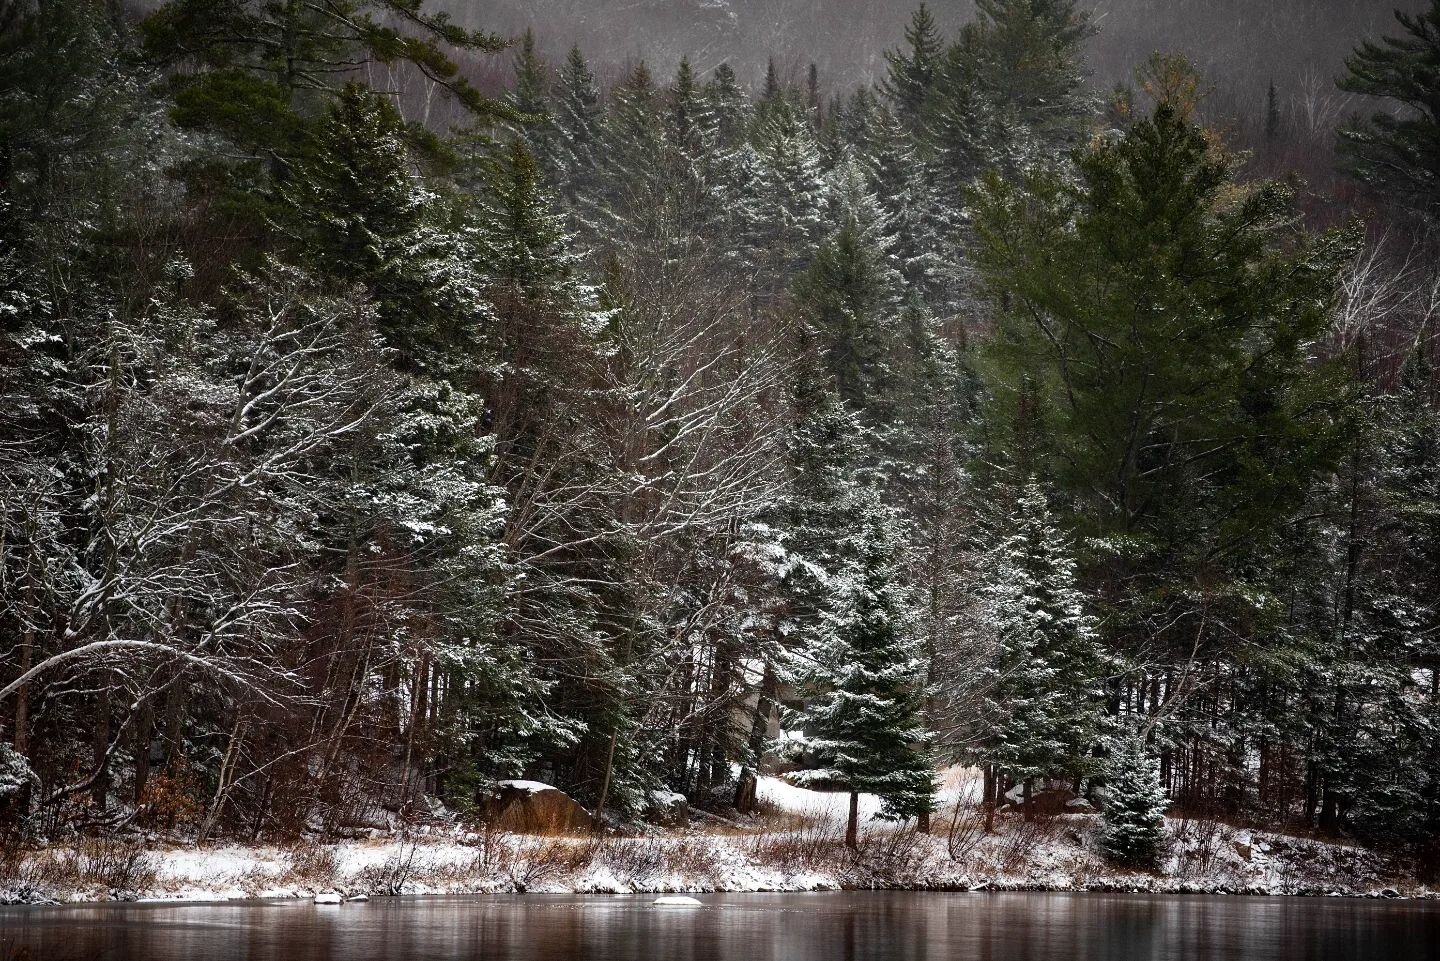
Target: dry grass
x,y
88,864
796,843
310,864
1018,840
524,862
1197,843
388,878
966,831
885,854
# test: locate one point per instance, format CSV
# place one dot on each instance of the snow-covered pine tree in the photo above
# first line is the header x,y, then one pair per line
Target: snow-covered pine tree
x,y
1030,61
912,72
530,96
850,295
530,92
633,164
822,451
728,108
863,679
684,120
1132,827
847,632
1377,711
577,117
413,501
1044,708
559,530
355,213
905,193
781,213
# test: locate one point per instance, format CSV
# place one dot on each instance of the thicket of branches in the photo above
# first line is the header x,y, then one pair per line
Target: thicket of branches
x,y
366,438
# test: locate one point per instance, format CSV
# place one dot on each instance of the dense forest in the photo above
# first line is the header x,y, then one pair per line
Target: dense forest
x,y
370,431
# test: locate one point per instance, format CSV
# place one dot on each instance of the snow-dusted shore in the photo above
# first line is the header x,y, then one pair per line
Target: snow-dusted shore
x,y
796,849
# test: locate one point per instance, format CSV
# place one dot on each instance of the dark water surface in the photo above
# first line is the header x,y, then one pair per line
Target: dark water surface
x,y
751,927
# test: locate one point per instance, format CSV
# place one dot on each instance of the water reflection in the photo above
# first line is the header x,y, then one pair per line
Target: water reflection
x,y
802,927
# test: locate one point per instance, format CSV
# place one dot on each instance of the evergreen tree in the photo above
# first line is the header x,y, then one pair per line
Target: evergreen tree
x,y
66,89
813,106
1031,59
561,534
864,720
530,96
967,132
1273,119
821,453
634,162
1012,91
728,107
853,653
1046,698
913,215
850,294
356,211
577,126
912,73
256,73
1373,714
530,93
1132,828
1397,152
685,120
1217,354
773,95
781,213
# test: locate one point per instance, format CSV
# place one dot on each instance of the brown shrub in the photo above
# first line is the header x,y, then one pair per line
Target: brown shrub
x,y
170,800
311,863
99,862
801,843
890,855
1021,838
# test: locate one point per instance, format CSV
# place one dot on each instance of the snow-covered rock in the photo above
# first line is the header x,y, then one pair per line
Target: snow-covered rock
x,y
677,902
531,807
667,809
328,897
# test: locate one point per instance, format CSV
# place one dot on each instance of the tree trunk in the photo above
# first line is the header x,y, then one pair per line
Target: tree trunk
x,y
764,708
144,733
605,778
745,791
852,826
22,696
988,801
100,745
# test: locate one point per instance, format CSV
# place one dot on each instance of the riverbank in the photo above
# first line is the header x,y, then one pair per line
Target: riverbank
x,y
796,847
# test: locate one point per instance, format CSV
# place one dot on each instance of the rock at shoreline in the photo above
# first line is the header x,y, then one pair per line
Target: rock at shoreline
x,y
531,807
668,809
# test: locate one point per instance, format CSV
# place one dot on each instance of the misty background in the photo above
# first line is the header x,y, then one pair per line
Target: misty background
x,y
1241,45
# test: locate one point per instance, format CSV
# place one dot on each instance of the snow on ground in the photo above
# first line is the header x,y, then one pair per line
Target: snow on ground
x,y
784,797
795,847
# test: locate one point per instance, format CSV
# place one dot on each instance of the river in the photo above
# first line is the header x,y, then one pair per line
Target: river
x,y
858,926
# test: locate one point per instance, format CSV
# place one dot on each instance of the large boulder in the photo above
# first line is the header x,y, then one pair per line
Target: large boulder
x,y
667,809
530,807
1048,800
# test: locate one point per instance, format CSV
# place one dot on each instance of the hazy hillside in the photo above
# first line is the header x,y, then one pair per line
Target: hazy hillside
x,y
1240,42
